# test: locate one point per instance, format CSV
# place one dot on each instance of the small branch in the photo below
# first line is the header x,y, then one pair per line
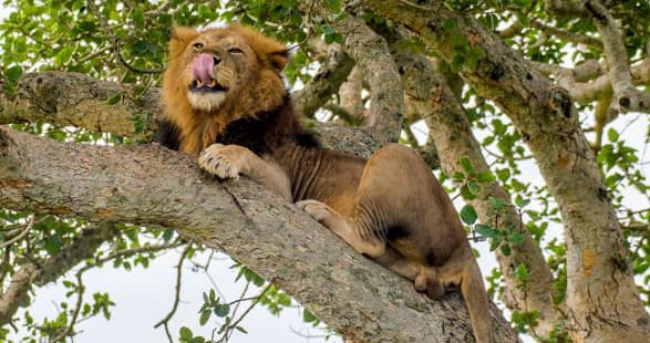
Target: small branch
x,y
420,7
228,331
97,262
177,297
21,235
516,27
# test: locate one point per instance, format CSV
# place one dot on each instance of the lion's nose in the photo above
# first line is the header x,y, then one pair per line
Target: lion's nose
x,y
216,59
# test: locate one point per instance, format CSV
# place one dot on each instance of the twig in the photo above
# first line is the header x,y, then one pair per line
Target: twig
x,y
229,329
25,231
81,288
177,298
420,7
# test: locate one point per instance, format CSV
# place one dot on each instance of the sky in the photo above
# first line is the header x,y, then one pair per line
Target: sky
x,y
144,296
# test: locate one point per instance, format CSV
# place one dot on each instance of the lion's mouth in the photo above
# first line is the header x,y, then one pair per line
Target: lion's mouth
x,y
203,71
209,86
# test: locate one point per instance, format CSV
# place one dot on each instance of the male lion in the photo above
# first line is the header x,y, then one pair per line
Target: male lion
x,y
225,99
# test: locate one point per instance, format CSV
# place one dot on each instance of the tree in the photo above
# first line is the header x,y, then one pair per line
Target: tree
x,y
541,82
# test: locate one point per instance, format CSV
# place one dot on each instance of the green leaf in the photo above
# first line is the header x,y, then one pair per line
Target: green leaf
x,y
186,333
521,202
505,249
486,177
204,317
168,235
308,317
612,135
521,273
66,54
468,215
241,329
466,193
515,237
467,165
496,204
474,187
221,310
13,74
485,230
503,174
114,99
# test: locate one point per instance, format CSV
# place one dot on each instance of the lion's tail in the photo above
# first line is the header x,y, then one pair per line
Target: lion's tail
x,y
477,302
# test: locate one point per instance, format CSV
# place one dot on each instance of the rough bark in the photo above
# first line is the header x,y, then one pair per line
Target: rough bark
x,y
79,100
454,139
603,303
325,82
350,94
370,52
152,186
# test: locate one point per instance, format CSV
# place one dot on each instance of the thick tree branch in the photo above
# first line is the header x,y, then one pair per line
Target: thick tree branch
x,y
370,52
79,100
590,81
325,82
629,98
152,186
596,256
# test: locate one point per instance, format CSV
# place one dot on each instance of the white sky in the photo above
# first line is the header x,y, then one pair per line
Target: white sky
x,y
144,296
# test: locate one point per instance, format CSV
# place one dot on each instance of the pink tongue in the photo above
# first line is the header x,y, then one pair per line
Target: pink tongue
x,y
203,68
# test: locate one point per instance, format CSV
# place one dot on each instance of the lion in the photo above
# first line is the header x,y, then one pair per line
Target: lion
x,y
226,101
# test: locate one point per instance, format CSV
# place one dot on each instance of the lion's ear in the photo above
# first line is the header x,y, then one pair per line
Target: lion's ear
x,y
181,36
279,59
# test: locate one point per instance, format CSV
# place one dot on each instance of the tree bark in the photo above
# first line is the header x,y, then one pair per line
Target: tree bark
x,y
153,186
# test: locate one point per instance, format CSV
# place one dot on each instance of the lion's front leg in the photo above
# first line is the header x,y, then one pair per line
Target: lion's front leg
x,y
230,161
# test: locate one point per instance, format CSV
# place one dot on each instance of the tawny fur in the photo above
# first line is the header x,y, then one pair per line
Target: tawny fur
x,y
390,207
255,85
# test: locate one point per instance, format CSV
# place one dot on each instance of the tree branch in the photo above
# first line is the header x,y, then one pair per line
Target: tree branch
x,y
629,98
152,186
370,52
325,82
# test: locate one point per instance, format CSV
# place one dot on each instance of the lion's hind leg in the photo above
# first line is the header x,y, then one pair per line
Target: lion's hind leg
x,y
370,246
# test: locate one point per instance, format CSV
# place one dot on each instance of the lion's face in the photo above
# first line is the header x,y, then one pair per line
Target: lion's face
x,y
217,76
216,66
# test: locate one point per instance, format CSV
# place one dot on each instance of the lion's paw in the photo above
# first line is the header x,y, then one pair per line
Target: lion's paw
x,y
221,160
315,209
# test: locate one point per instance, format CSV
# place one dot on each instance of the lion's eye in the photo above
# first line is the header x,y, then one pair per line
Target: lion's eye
x,y
198,46
235,51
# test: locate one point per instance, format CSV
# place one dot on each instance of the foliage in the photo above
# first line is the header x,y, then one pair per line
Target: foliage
x,y
125,41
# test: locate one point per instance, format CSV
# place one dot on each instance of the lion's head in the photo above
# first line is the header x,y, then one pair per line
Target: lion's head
x,y
219,75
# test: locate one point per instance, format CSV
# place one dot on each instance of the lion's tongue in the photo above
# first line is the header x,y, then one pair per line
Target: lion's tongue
x,y
203,69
